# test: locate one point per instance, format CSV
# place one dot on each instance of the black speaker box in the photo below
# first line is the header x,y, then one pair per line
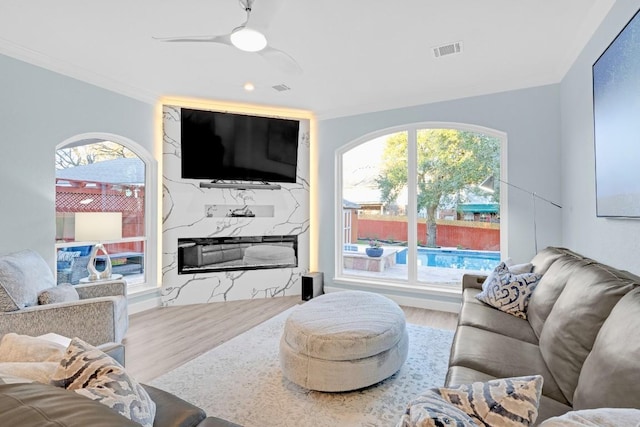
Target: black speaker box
x,y
312,285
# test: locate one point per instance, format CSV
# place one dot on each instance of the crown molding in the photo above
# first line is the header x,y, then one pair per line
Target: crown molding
x,y
74,71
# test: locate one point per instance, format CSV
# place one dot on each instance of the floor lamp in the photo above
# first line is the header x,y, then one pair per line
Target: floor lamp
x,y
489,185
98,227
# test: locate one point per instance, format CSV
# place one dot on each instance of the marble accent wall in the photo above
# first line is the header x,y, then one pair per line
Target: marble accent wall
x,y
185,216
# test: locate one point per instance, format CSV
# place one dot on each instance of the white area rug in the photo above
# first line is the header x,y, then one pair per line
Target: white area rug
x,y
241,381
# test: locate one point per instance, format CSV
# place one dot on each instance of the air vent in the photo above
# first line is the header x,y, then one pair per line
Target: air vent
x,y
281,87
447,49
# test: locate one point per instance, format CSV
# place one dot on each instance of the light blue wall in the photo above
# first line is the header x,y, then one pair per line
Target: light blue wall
x,y
529,117
613,241
38,110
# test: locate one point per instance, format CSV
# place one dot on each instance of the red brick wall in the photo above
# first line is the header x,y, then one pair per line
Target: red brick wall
x,y
469,235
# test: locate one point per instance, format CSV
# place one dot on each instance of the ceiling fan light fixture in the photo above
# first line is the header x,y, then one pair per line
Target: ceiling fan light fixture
x,y
248,39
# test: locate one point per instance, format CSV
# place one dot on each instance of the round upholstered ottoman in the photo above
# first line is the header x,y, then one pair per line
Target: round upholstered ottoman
x,y
343,341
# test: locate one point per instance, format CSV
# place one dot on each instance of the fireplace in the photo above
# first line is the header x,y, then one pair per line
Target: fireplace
x,y
211,254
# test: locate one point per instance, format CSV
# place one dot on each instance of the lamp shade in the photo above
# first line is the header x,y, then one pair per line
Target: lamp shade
x,y
98,226
488,184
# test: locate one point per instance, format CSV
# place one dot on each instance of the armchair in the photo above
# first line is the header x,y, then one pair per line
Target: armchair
x,y
94,312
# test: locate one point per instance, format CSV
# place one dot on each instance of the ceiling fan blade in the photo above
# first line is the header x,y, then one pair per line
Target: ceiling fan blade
x,y
224,39
280,60
263,13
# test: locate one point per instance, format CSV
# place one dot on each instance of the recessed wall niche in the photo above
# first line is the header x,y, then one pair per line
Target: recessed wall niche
x,y
220,213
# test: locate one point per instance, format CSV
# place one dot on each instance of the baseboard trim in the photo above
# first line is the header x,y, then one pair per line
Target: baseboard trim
x,y
144,302
420,301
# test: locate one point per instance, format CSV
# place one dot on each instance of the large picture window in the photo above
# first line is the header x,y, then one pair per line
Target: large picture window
x,y
414,194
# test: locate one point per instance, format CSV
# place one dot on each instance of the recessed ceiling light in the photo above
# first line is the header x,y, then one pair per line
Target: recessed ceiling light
x,y
249,87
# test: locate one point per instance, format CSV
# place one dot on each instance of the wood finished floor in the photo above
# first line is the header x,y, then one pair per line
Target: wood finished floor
x,y
163,338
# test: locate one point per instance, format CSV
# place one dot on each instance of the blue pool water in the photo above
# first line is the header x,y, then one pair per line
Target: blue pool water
x,y
453,258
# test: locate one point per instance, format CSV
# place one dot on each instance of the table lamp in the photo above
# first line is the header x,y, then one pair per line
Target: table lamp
x,y
98,227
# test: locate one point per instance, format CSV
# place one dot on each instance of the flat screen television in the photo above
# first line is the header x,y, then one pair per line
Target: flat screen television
x,y
237,147
616,112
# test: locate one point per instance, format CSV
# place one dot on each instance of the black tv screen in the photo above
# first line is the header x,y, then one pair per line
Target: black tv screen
x,y
238,147
616,112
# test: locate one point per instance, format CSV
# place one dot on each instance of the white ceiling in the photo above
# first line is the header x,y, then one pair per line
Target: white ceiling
x,y
357,55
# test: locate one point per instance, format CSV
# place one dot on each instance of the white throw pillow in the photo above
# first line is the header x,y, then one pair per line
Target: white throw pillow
x,y
24,348
32,371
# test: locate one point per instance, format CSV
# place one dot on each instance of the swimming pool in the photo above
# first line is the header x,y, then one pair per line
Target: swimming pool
x,y
453,258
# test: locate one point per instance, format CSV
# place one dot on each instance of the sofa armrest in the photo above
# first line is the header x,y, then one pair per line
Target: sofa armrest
x,y
114,350
171,411
36,404
95,321
110,288
472,281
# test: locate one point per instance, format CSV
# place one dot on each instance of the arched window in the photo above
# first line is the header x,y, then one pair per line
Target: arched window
x,y
414,191
98,174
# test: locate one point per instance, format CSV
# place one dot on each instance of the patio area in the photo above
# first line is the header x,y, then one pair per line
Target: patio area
x,y
357,264
426,275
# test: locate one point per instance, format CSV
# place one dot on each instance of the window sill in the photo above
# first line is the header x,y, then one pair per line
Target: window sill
x,y
141,289
430,296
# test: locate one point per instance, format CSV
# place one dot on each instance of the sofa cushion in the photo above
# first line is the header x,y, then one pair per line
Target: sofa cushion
x,y
601,417
22,276
41,405
93,374
501,356
508,292
610,374
546,257
570,330
549,289
501,402
60,293
476,313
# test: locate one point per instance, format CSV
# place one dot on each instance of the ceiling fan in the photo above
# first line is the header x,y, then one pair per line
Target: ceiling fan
x,y
247,39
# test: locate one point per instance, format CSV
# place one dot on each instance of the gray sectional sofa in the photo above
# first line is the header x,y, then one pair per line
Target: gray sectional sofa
x,y
38,405
582,334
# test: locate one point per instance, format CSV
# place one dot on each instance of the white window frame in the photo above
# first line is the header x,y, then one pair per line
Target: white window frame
x,y
412,216
150,238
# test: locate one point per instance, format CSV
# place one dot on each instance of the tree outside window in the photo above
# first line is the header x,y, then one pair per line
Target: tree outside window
x,y
452,215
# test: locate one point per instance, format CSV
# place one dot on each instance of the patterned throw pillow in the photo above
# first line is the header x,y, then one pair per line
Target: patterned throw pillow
x,y
509,402
93,374
509,292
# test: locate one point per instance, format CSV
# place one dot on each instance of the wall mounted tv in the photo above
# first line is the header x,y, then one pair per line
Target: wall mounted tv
x,y
616,112
238,147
